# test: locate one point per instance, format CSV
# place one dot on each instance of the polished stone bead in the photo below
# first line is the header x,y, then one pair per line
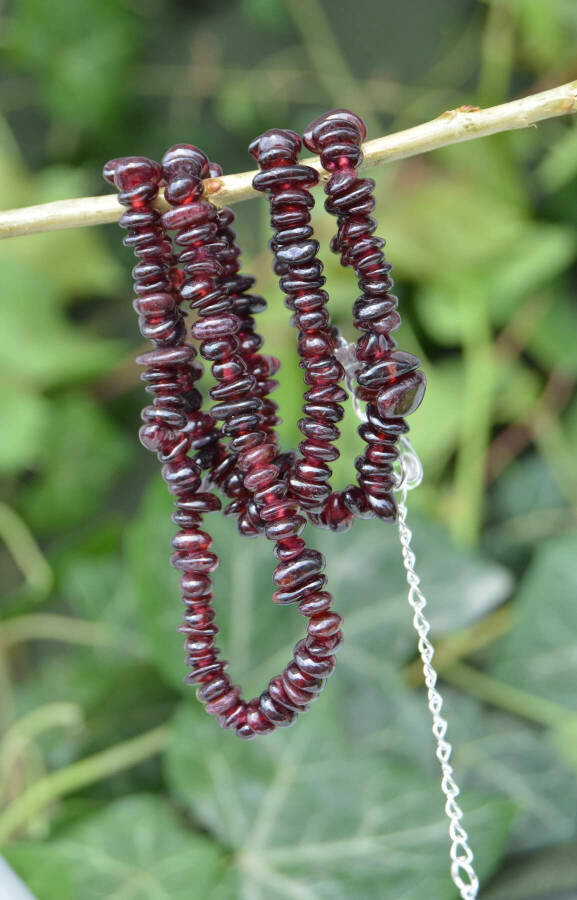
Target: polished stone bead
x,y
402,397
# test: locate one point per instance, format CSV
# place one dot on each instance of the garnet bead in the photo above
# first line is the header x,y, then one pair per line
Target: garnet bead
x,y
388,379
235,443
402,397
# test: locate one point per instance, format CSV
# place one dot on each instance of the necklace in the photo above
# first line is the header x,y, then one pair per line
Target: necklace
x,y
233,447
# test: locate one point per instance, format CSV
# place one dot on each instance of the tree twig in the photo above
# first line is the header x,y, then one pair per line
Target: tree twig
x,y
452,127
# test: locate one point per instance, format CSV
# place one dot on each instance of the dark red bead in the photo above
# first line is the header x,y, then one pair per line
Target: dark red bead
x,y
402,397
294,572
296,594
383,371
279,715
324,624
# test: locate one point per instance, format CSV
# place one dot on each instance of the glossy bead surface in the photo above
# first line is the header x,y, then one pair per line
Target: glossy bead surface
x,y
388,379
402,397
233,448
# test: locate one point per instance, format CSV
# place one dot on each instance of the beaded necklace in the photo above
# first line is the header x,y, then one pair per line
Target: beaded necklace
x,y
233,447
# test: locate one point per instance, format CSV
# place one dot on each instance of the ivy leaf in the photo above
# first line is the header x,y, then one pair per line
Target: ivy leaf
x,y
552,874
539,655
365,575
527,486
39,867
312,814
136,849
499,753
492,751
104,684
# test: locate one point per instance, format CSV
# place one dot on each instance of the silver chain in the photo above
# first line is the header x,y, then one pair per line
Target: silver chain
x,y
410,476
462,871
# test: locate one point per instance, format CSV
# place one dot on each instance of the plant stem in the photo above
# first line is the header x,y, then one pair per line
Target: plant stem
x,y
452,127
25,551
51,627
80,774
50,715
18,740
461,644
505,696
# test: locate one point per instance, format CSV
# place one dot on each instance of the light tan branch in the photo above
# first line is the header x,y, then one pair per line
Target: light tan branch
x,y
452,127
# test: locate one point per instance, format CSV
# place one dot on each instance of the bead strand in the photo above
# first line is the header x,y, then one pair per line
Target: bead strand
x,y
170,368
172,424
298,577
287,184
260,367
388,378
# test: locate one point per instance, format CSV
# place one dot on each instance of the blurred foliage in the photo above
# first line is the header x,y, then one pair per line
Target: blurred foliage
x,y
114,782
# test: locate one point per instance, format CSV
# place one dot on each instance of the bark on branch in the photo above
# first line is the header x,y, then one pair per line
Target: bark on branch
x,y
452,127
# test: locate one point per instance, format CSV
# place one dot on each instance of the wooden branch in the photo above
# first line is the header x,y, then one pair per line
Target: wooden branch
x,y
452,127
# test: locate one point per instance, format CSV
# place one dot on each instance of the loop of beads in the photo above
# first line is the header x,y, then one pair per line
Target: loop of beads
x,y
287,183
207,279
387,378
235,443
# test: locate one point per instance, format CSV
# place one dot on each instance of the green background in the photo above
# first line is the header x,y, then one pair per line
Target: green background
x,y
115,784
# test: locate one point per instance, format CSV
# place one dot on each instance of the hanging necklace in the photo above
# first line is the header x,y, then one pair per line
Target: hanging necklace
x,y
234,447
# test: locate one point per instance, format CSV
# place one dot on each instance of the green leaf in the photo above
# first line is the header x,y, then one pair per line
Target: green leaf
x,y
135,849
365,575
120,696
539,655
311,813
41,870
526,487
81,61
517,388
552,343
559,166
47,351
436,426
498,753
492,751
266,12
88,584
81,455
445,227
547,34
24,416
541,253
538,255
552,874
